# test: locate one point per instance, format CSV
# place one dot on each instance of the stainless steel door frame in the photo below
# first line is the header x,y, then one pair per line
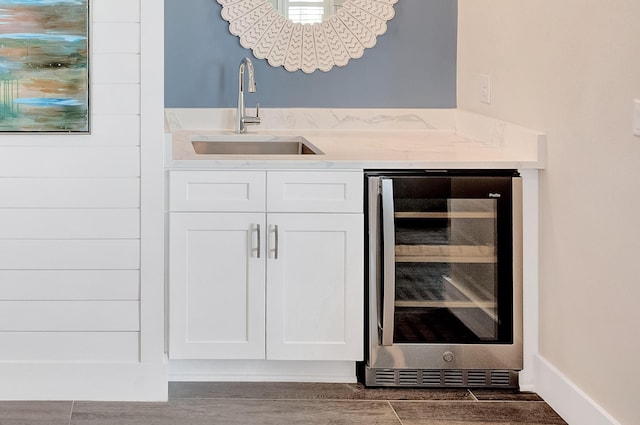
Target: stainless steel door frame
x,y
374,324
434,355
388,261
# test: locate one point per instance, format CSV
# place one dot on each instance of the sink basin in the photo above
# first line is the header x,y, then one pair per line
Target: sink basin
x,y
250,144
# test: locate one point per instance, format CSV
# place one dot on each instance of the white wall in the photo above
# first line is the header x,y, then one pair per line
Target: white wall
x,y
571,69
70,231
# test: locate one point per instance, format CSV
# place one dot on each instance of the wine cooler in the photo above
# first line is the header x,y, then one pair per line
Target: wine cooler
x,y
444,276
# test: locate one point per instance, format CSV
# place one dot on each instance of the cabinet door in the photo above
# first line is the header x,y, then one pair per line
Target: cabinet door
x,y
315,289
216,288
220,191
315,192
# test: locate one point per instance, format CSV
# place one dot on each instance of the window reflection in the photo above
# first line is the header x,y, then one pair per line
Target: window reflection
x,y
307,11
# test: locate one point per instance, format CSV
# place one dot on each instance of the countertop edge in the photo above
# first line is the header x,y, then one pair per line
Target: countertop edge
x,y
474,142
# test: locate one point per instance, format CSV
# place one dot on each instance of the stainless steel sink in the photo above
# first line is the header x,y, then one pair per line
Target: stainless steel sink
x,y
251,144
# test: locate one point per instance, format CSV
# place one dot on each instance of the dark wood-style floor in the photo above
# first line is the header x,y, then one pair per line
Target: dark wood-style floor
x,y
292,403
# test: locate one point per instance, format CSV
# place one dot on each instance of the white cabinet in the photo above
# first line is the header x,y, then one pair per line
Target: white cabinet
x,y
266,264
314,287
216,286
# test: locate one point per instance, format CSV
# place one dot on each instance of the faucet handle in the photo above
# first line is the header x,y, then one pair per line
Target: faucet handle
x,y
246,120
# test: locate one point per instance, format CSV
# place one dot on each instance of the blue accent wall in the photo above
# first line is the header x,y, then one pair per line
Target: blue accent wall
x,y
413,64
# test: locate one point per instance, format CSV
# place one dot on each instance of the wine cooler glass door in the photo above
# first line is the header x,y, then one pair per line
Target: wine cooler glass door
x,y
447,268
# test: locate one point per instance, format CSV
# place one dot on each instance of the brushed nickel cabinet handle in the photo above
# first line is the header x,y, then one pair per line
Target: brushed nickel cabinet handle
x,y
259,240
277,247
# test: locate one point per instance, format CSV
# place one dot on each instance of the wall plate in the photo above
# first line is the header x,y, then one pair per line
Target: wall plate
x,y
485,88
636,117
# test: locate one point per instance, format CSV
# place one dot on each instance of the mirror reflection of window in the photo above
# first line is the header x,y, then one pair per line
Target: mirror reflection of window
x,y
307,11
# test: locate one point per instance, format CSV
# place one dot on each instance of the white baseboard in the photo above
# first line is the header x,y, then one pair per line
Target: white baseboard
x,y
261,371
84,381
575,407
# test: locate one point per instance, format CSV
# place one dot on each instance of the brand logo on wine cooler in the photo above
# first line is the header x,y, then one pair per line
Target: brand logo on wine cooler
x,y
494,195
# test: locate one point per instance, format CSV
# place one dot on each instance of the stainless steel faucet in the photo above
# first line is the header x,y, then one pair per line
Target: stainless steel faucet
x,y
242,120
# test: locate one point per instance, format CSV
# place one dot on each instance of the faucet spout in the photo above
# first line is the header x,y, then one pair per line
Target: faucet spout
x,y
242,119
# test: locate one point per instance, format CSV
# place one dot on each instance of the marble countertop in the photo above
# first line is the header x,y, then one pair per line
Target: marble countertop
x,y
363,139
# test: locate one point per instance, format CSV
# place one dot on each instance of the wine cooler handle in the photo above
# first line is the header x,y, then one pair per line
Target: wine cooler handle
x,y
388,261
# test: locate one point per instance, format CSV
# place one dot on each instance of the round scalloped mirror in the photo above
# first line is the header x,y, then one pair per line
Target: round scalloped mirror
x,y
340,36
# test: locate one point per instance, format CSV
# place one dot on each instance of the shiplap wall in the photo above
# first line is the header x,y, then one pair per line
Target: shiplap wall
x,y
70,216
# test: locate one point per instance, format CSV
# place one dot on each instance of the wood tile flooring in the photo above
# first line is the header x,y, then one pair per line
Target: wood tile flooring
x,y
293,403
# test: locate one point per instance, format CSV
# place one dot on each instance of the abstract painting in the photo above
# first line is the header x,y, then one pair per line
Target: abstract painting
x,y
44,66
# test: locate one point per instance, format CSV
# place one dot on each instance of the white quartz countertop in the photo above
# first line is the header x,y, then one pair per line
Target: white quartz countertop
x,y
457,140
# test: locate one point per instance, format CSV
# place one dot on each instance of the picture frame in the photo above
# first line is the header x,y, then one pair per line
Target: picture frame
x,y
44,66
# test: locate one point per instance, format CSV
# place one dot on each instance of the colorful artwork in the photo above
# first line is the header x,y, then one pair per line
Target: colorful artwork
x,y
44,72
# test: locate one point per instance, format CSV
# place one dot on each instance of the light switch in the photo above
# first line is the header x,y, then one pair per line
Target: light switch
x,y
636,117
